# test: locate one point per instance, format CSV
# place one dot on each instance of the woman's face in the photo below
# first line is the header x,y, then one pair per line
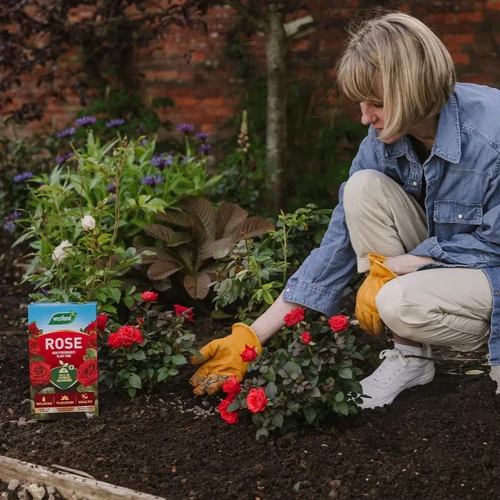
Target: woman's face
x,y
372,113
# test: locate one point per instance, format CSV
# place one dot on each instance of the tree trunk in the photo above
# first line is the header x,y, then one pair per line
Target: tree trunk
x,y
276,104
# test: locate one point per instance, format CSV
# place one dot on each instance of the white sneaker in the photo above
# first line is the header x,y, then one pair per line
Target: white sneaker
x,y
397,372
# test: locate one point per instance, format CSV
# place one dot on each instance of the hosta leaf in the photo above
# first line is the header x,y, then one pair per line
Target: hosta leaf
x,y
253,226
200,209
176,217
159,232
163,269
197,285
228,216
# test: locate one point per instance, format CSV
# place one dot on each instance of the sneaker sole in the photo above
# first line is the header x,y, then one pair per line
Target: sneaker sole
x,y
424,379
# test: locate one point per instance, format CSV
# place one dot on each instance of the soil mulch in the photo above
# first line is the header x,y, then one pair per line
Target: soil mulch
x,y
440,441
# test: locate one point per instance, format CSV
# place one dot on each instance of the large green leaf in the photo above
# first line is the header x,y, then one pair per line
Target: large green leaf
x,y
228,216
163,269
253,226
197,285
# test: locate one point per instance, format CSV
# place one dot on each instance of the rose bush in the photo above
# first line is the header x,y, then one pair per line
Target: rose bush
x,y
146,352
305,373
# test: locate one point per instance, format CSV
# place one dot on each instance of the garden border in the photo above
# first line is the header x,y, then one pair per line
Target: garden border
x,y
67,484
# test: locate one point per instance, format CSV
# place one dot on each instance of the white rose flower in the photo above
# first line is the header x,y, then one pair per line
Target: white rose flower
x,y
88,223
59,254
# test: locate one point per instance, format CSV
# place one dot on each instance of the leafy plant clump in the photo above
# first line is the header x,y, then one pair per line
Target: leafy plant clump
x,y
149,349
311,369
205,234
253,273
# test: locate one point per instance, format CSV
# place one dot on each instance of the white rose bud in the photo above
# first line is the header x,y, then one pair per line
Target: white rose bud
x,y
59,254
88,223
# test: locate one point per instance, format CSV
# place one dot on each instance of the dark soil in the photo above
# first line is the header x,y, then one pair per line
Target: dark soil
x,y
440,441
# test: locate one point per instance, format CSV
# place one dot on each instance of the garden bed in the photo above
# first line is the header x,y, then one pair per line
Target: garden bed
x,y
438,441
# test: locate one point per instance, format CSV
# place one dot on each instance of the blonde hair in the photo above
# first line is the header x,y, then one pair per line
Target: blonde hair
x,y
415,68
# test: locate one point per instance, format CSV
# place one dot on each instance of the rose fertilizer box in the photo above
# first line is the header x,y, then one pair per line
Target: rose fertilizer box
x,y
63,359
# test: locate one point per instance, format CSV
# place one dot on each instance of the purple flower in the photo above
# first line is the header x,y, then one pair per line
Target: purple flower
x,y
9,224
85,120
63,158
111,188
115,123
162,161
66,132
203,136
143,142
205,148
152,180
23,177
186,127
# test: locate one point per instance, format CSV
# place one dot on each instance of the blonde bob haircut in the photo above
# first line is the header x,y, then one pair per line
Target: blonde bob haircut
x,y
415,69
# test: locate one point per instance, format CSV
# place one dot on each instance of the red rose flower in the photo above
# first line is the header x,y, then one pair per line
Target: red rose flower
x,y
92,328
129,335
149,296
306,337
140,321
102,321
232,385
257,400
186,312
248,354
293,317
92,342
338,323
39,374
87,373
33,329
114,341
34,347
230,417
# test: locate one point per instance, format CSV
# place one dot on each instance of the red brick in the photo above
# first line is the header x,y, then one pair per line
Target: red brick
x,y
474,17
459,38
186,101
460,58
493,5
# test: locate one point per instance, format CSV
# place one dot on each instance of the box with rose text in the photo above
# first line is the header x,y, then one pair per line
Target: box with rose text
x,y
63,341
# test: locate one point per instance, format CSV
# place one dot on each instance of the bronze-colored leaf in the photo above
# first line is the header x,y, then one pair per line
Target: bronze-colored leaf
x,y
162,285
197,285
159,232
253,226
228,216
200,209
163,269
210,249
179,238
176,217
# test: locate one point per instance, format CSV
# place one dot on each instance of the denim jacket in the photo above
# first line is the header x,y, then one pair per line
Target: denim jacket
x,y
462,204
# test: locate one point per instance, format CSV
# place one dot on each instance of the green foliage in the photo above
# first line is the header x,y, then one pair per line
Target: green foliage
x,y
304,380
320,145
75,224
163,346
205,235
253,273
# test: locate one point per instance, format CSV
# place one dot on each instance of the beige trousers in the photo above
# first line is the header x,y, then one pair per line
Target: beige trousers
x,y
446,306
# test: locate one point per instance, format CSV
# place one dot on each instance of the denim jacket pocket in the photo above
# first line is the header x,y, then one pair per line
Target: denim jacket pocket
x,y
455,217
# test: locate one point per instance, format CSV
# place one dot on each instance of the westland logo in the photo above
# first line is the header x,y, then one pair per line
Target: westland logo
x,y
62,318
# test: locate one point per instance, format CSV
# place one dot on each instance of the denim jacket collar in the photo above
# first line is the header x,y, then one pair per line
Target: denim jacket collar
x,y
447,143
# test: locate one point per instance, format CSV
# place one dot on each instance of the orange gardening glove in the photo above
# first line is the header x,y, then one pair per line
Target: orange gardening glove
x,y
366,308
221,359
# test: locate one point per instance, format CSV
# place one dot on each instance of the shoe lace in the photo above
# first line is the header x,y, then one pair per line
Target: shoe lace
x,y
394,361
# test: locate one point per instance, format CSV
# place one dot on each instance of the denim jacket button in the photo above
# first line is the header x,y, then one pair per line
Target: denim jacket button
x,y
288,289
414,183
460,216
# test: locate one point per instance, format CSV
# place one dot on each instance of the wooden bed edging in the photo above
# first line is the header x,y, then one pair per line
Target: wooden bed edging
x,y
67,484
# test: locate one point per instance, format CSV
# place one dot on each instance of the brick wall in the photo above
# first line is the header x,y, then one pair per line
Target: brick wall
x,y
205,90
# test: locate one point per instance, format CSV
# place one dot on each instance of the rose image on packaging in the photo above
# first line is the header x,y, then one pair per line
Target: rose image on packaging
x,y
63,368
